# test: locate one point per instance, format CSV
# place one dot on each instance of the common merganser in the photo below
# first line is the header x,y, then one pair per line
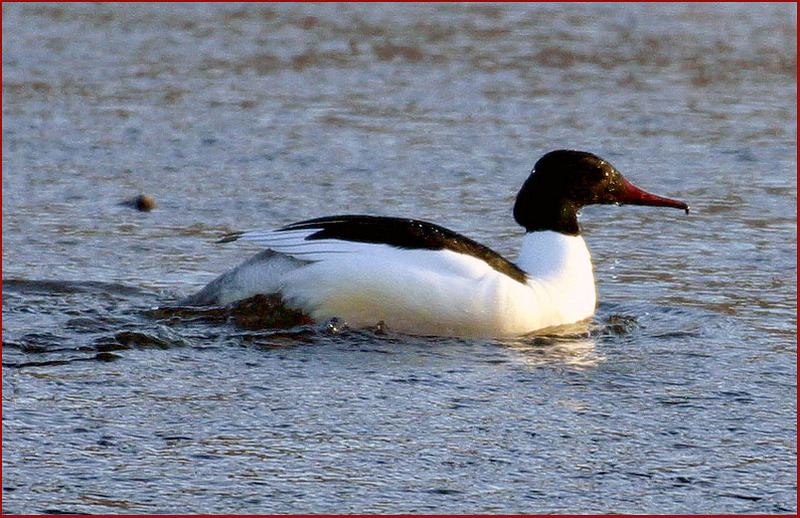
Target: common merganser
x,y
419,278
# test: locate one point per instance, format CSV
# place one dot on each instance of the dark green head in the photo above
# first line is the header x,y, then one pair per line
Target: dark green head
x,y
563,181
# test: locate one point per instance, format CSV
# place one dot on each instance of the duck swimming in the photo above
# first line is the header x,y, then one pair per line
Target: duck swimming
x,y
420,278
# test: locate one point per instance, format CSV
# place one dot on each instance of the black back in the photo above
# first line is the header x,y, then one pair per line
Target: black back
x,y
404,233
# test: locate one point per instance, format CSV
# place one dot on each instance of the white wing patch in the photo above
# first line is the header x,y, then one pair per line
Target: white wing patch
x,y
294,244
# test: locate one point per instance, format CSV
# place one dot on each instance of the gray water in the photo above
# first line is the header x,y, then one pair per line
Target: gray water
x,y
680,396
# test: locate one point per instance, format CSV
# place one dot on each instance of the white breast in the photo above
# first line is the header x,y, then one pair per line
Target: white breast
x,y
561,273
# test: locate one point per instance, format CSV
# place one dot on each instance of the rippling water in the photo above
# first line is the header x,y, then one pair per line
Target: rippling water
x,y
679,398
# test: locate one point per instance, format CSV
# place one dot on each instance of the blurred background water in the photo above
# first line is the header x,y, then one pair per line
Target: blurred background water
x,y
679,398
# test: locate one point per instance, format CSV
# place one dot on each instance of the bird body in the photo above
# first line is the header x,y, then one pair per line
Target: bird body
x,y
420,278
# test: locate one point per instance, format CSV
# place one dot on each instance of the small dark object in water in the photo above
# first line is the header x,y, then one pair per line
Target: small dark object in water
x,y
143,202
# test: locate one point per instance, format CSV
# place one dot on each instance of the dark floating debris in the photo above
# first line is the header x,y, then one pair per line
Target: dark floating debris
x,y
256,313
620,324
143,202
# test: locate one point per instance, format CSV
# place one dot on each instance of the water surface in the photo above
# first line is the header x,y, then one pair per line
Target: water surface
x,y
679,397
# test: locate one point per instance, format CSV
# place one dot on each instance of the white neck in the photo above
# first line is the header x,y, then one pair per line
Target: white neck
x,y
560,267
